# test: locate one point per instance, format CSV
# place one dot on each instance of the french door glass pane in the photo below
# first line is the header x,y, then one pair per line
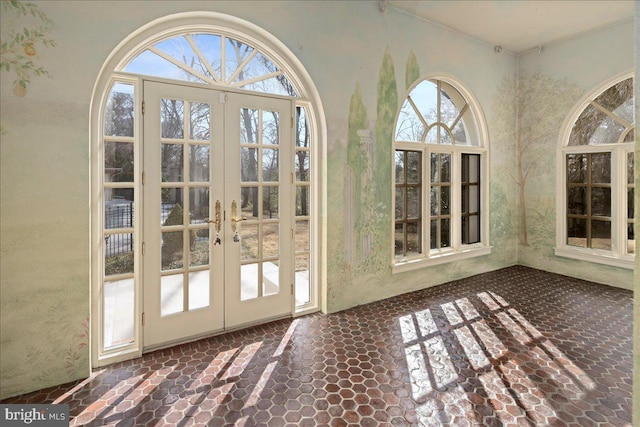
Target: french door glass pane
x,y
172,118
199,247
249,164
199,289
303,291
198,205
250,202
270,278
248,281
302,200
303,193
248,242
302,235
172,165
118,161
270,202
200,114
119,112
171,206
270,127
118,208
270,169
270,239
248,126
172,250
118,254
302,159
302,127
118,313
199,163
171,294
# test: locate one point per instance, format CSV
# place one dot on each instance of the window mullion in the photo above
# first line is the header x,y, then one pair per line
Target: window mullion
x,y
455,200
426,202
618,197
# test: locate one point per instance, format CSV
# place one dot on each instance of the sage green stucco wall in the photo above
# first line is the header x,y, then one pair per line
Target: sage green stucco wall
x,y
344,45
570,70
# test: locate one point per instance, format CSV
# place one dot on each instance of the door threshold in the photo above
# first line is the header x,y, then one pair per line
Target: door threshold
x,y
212,334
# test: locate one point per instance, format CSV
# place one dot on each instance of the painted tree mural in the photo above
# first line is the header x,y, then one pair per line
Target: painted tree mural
x,y
380,206
357,165
542,103
412,73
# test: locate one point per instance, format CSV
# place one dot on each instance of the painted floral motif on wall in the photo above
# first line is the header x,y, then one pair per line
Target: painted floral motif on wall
x,y
27,32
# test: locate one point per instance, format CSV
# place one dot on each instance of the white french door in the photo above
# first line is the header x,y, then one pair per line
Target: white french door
x,y
218,211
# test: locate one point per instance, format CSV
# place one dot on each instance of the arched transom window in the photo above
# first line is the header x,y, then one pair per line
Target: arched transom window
x,y
214,59
440,181
596,221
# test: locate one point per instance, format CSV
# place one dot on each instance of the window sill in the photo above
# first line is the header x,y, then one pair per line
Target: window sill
x,y
416,263
599,257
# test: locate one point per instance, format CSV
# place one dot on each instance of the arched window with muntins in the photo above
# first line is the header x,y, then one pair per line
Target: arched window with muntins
x,y
435,112
596,222
441,179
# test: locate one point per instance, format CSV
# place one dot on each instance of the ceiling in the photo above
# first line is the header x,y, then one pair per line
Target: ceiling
x,y
519,26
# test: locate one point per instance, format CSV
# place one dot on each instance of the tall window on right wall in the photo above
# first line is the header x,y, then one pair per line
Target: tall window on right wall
x,y
596,222
441,182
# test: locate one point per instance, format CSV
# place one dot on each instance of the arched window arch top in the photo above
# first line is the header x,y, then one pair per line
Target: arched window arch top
x,y
435,112
607,119
212,58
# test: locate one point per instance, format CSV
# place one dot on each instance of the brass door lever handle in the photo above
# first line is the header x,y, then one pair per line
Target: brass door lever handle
x,y
217,221
234,219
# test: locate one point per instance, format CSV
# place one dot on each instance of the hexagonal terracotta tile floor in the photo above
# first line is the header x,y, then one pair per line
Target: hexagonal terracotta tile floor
x,y
513,347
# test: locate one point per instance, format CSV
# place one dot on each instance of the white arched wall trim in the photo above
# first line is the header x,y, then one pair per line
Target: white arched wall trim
x,y
129,48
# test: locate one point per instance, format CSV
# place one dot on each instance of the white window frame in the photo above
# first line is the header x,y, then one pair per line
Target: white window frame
x,y
618,256
129,48
457,251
